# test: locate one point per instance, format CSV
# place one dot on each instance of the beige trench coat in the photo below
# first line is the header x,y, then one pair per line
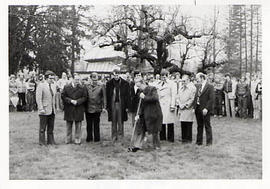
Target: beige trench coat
x,y
166,95
185,99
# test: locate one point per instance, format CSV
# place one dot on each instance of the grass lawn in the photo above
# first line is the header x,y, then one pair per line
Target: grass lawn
x,y
236,153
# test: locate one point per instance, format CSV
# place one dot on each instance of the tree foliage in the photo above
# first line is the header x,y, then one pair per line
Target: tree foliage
x,y
41,36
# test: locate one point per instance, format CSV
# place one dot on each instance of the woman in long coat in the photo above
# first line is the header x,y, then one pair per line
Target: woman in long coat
x,y
167,92
185,99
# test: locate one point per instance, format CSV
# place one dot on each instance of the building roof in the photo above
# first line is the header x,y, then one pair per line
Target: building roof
x,y
101,67
102,53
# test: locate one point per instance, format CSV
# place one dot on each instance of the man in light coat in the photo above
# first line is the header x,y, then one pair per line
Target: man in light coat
x,y
45,98
185,99
167,92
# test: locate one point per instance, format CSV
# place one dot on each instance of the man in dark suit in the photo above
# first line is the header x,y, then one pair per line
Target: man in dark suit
x,y
118,99
74,96
203,105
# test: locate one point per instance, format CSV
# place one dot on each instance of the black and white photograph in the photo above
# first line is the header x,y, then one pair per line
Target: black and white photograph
x,y
135,91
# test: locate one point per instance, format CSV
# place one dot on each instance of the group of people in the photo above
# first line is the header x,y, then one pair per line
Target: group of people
x,y
156,104
238,97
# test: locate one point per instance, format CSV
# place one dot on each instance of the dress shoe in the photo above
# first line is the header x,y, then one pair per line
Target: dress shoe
x,y
133,149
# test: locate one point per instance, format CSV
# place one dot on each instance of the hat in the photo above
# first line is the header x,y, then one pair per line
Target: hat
x,y
227,74
177,73
49,72
164,72
94,76
116,71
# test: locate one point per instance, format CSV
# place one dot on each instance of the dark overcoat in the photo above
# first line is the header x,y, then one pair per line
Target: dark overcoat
x,y
151,111
74,112
124,98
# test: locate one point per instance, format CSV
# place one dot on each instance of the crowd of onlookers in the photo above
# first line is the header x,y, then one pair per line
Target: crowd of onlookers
x,y
235,97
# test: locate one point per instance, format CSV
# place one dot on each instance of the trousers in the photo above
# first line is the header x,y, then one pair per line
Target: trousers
x,y
117,123
78,132
186,128
92,126
170,132
203,122
46,123
242,106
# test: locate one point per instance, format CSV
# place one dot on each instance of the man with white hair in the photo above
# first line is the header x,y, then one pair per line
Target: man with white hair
x,y
204,99
74,96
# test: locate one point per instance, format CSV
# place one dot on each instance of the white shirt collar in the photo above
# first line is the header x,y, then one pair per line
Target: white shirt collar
x,y
135,88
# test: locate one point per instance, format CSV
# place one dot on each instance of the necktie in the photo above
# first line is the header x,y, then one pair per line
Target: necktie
x,y
163,82
52,97
199,94
51,89
117,91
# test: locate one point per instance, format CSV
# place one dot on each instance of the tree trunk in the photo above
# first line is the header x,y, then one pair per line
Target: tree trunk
x,y
257,41
240,41
73,40
230,30
214,41
246,47
126,34
251,39
139,60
